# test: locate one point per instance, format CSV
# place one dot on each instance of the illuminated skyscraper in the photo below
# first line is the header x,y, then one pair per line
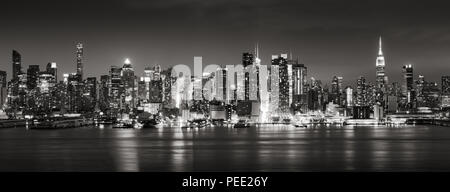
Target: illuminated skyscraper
x,y
299,72
380,71
349,97
284,83
52,69
129,85
3,86
103,96
361,92
17,64
247,62
274,84
32,76
407,85
336,90
80,60
91,90
220,84
445,85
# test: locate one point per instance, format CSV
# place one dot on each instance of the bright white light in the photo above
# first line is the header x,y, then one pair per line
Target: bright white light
x,y
127,61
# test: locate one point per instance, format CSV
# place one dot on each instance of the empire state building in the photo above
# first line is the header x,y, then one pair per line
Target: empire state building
x,y
380,71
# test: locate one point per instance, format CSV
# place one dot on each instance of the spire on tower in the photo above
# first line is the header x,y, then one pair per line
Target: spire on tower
x,y
380,51
257,50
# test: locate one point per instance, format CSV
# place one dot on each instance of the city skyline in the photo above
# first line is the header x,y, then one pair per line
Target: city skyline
x,y
325,36
394,77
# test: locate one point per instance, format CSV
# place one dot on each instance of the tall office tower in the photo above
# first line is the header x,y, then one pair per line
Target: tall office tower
x,y
299,72
349,97
420,84
74,92
257,65
247,62
52,70
407,86
3,91
335,91
221,84
32,76
361,92
168,85
128,80
341,90
380,69
17,64
142,91
156,91
60,97
80,60
274,87
283,84
91,89
103,97
115,88
445,85
3,82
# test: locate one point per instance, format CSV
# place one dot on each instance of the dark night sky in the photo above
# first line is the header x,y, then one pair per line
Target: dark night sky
x,y
331,37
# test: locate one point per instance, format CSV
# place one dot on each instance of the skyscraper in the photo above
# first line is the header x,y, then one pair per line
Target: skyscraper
x,y
299,72
3,92
380,69
336,90
52,70
103,96
91,89
80,60
283,86
349,96
445,85
17,64
129,85
115,88
407,85
247,62
32,76
361,92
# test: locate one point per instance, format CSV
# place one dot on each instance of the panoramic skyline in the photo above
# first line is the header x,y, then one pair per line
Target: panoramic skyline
x,y
326,36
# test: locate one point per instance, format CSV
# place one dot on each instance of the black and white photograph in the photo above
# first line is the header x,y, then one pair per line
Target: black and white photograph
x,y
224,86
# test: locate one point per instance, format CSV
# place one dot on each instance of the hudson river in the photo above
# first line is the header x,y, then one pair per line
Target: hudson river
x,y
266,148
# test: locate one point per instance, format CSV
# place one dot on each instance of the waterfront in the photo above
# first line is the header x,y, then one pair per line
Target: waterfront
x,y
266,148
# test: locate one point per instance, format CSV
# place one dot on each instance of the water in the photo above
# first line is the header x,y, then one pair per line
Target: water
x,y
266,148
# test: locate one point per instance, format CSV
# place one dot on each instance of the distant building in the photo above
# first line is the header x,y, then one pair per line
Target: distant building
x,y
52,70
407,85
3,89
129,86
361,92
91,91
16,64
283,84
32,76
380,68
349,97
445,85
80,60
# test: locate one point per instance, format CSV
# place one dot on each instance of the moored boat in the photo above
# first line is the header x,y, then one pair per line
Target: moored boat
x,y
60,123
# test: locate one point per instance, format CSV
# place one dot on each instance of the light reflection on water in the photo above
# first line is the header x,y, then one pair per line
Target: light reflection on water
x,y
262,148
